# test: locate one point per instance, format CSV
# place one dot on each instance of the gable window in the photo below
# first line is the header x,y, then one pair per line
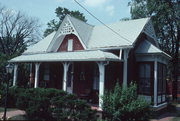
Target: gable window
x,y
70,45
144,78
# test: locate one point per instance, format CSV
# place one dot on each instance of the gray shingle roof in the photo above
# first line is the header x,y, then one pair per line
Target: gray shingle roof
x,y
95,37
84,30
67,56
147,48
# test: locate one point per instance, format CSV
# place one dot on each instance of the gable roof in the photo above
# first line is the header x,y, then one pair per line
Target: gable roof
x,y
94,37
102,37
84,30
71,25
147,48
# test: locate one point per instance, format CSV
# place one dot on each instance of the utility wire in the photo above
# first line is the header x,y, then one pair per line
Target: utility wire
x,y
102,22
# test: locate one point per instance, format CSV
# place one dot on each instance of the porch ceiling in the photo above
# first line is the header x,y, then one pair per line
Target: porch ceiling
x,y
96,55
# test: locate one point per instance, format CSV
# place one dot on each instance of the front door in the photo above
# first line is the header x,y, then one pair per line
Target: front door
x,y
70,79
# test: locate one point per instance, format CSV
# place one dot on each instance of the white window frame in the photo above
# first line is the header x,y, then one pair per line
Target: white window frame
x,y
70,45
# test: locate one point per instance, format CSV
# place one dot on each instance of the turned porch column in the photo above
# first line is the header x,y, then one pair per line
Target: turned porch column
x,y
125,66
155,82
15,74
101,66
66,66
37,65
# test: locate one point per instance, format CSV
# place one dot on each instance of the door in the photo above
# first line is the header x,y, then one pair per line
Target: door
x,y
70,75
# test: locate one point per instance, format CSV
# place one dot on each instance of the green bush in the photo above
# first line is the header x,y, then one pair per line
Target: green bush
x,y
13,93
53,104
124,105
69,108
36,102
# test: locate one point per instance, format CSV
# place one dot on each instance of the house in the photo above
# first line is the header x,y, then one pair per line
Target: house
x,y
87,60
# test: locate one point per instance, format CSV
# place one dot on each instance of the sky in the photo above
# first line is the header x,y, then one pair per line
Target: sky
x,y
108,11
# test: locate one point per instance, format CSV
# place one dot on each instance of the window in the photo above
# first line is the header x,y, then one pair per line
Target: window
x,y
144,78
46,72
70,45
161,78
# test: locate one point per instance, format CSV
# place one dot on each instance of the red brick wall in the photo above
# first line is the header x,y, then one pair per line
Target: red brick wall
x,y
76,43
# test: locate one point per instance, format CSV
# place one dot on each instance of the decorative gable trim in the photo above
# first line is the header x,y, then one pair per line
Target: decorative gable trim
x,y
149,30
65,28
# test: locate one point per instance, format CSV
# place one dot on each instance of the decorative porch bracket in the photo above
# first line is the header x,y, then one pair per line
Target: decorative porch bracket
x,y
101,66
155,82
125,66
37,65
15,74
66,66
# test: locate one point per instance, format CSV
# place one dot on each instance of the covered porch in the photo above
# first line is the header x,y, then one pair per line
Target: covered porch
x,y
84,73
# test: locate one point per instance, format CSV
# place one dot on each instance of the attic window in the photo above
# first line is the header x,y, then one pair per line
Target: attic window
x,y
70,45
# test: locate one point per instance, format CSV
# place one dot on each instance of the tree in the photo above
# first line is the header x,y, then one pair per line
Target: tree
x,y
53,25
17,32
165,17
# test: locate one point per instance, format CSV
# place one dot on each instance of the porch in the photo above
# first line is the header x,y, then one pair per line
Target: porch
x,y
87,76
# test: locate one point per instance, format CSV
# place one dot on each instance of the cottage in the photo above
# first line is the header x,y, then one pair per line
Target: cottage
x,y
87,60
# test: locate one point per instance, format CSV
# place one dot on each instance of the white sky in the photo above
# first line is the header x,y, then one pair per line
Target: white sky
x,y
108,11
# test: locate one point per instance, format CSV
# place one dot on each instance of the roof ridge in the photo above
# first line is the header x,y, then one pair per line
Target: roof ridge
x,y
79,20
148,18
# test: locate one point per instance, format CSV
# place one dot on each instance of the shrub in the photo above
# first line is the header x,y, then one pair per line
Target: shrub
x,y
36,102
13,93
51,104
69,108
124,105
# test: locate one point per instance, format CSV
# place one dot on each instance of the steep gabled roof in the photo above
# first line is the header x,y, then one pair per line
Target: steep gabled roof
x,y
71,25
84,30
96,37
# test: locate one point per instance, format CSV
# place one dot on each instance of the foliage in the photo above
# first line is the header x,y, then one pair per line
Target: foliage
x,y
53,25
69,108
36,102
124,105
17,32
165,17
51,104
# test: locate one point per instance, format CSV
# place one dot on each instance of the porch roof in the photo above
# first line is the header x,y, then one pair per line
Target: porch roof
x,y
95,55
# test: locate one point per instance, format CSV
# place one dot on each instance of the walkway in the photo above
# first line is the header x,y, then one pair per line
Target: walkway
x,y
10,114
167,116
